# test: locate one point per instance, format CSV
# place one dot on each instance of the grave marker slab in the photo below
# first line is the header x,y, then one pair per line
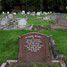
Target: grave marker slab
x,y
8,12
10,16
34,49
61,21
22,23
60,24
3,12
23,12
38,13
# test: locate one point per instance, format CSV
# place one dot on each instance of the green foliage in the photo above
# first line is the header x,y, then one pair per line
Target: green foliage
x,y
7,4
55,65
37,4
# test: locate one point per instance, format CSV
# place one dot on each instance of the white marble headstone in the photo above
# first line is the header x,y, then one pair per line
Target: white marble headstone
x,y
14,13
4,21
38,13
23,12
45,13
28,13
22,23
3,12
50,12
33,13
8,12
47,18
10,16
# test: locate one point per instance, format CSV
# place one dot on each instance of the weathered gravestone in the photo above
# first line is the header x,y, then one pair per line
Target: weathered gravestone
x,y
34,49
61,23
3,12
10,16
22,23
38,13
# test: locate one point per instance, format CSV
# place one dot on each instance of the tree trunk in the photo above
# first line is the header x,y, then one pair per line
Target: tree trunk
x,y
41,5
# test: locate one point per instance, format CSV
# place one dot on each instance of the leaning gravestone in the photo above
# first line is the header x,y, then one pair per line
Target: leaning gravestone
x,y
34,49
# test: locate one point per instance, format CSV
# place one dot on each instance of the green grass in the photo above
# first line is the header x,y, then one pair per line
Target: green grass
x,y
37,65
65,15
55,65
20,16
9,43
38,22
1,16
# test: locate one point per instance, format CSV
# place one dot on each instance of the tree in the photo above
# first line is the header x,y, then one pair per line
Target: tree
x,y
41,5
37,5
7,5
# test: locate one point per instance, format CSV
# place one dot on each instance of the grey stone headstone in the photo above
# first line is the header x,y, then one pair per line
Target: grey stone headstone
x,y
4,21
14,13
44,13
3,12
23,12
22,23
38,13
28,13
10,16
47,18
8,12
33,13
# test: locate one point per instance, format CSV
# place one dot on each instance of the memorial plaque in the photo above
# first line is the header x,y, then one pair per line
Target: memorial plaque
x,y
34,49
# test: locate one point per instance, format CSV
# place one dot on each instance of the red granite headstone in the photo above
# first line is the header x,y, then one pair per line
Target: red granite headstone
x,y
34,49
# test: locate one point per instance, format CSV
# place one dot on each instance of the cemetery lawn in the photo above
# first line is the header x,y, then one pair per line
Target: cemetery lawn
x,y
9,43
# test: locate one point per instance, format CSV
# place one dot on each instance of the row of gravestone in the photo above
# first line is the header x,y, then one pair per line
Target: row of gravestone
x,y
46,15
10,22
49,15
30,13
